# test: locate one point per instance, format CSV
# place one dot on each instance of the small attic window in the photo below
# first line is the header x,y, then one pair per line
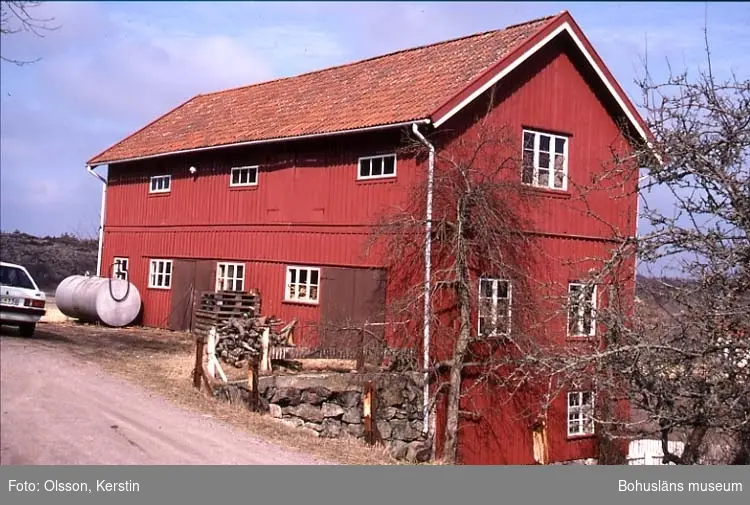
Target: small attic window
x,y
160,184
377,167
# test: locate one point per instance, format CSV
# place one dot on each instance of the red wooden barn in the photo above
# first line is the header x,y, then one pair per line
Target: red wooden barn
x,y
276,186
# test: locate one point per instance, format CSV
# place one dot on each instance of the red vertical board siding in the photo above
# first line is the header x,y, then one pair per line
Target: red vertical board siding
x,y
309,209
552,93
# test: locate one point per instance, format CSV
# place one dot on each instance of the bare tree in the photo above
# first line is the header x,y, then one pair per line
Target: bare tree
x,y
18,17
478,232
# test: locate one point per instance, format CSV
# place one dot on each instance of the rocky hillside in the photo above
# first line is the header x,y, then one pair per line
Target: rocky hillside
x,y
49,259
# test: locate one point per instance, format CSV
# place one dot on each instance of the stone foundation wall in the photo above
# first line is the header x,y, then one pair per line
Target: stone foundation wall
x,y
330,405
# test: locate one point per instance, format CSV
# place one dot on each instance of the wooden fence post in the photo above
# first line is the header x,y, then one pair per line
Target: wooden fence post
x,y
198,369
369,411
252,385
265,361
211,350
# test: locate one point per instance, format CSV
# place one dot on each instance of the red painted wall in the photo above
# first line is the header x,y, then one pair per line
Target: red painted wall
x,y
309,209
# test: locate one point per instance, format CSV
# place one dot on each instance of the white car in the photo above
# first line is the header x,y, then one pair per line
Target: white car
x,y
21,301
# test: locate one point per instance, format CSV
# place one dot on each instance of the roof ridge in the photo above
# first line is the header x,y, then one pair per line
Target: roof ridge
x,y
372,58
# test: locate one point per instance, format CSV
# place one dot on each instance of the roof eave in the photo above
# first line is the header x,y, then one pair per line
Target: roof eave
x,y
103,160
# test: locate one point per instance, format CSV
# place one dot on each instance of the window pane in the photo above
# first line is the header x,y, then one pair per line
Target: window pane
x,y
239,285
543,160
484,327
573,399
168,266
559,179
587,321
313,293
303,276
389,165
302,293
543,178
486,288
314,277
528,140
377,166
293,275
364,168
502,289
544,142
292,291
252,175
503,322
240,271
559,145
559,162
528,167
235,176
586,398
485,307
167,181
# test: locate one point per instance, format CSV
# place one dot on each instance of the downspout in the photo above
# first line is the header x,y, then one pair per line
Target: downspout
x,y
427,270
92,171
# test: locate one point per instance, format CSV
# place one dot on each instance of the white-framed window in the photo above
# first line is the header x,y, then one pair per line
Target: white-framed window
x,y
302,284
160,184
580,413
120,268
545,160
243,176
377,167
160,274
494,307
581,310
230,277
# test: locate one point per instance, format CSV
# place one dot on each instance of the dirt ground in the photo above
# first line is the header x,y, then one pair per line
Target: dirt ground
x,y
161,363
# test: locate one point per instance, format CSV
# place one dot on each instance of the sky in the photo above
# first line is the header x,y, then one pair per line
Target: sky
x,y
110,68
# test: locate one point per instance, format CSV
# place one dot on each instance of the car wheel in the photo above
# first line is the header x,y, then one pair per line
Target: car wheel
x,y
27,329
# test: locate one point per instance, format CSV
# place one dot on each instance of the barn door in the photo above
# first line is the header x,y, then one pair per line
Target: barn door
x,y
183,280
189,279
349,298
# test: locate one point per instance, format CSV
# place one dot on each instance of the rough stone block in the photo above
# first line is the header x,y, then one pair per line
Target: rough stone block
x,y
331,410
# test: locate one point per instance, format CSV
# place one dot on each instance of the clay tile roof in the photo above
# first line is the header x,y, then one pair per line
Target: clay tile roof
x,y
398,87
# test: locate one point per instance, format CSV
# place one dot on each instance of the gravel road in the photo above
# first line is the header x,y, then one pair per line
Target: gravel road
x,y
56,409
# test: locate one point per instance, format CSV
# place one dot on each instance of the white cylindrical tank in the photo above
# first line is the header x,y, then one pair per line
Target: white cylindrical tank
x,y
114,302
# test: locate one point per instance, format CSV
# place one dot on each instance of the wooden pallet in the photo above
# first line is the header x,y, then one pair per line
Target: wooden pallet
x,y
215,308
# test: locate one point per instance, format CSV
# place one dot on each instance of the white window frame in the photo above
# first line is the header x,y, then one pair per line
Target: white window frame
x,y
119,272
582,422
160,184
235,281
581,315
154,281
361,177
244,169
552,152
288,297
495,299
